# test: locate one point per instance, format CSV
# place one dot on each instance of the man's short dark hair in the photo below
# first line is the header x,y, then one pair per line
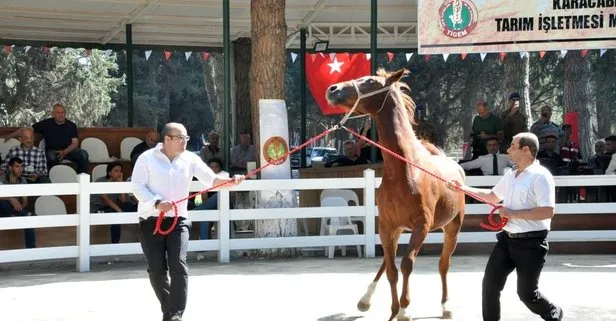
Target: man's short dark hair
x,y
15,160
494,139
529,140
551,136
214,160
111,166
611,138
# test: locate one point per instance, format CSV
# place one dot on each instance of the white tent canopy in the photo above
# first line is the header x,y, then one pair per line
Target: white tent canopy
x,y
345,23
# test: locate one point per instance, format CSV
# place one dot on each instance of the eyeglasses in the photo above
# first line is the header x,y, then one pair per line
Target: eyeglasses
x,y
181,137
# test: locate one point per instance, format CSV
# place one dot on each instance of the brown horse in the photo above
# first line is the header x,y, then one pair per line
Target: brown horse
x,y
408,199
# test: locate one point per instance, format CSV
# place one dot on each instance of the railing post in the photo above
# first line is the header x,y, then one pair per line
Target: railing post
x,y
83,227
223,225
370,207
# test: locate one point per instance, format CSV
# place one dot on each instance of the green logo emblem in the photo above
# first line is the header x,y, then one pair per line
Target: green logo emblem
x,y
458,18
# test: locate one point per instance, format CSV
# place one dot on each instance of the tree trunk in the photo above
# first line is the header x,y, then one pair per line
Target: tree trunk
x,y
267,72
213,79
242,59
517,75
604,93
577,72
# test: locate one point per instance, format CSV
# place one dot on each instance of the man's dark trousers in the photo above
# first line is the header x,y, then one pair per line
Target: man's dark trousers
x,y
167,253
527,257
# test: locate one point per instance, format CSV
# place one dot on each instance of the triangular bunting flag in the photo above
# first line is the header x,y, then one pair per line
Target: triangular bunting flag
x,y
541,54
563,53
368,56
408,56
483,55
502,56
28,48
187,54
584,52
46,49
602,52
205,56
523,54
88,52
108,52
312,57
427,58
332,56
463,56
390,56
147,54
167,55
293,57
445,56
7,49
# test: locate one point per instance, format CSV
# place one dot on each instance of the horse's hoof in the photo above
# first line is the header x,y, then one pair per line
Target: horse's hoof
x,y
363,306
447,312
403,315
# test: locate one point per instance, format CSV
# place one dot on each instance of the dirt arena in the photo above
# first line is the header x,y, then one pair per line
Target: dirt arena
x,y
295,289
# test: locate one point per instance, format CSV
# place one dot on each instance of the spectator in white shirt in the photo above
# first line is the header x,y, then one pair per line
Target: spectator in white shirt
x,y
611,168
529,198
493,163
161,176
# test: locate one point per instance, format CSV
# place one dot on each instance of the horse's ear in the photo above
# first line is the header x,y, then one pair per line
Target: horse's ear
x,y
396,76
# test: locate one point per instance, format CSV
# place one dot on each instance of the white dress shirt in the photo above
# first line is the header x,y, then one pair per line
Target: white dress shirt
x,y
534,187
484,162
611,168
156,178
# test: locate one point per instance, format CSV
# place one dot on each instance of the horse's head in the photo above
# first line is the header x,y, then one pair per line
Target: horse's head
x,y
369,92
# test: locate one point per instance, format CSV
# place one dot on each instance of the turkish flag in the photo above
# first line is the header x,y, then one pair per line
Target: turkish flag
x,y
323,71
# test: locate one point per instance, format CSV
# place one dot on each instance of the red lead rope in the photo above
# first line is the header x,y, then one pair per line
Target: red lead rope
x,y
161,215
493,225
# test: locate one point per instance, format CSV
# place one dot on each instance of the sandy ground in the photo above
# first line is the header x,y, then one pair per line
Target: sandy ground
x,y
296,289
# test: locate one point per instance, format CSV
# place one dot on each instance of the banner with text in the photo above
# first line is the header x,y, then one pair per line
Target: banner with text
x,y
472,26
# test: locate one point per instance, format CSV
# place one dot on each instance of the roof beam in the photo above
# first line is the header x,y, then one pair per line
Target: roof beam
x,y
130,19
308,18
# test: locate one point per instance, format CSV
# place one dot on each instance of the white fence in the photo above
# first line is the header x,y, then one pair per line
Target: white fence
x,y
83,250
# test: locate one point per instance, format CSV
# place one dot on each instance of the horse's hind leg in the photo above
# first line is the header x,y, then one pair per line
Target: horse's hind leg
x,y
451,231
364,303
418,236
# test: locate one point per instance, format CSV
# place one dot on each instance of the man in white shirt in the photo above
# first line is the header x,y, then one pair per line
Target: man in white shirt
x,y
162,175
528,196
493,163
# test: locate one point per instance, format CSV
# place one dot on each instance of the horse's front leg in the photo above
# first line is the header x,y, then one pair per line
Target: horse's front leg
x,y
408,261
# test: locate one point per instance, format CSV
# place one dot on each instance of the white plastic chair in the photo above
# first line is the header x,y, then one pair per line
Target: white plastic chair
x,y
49,205
99,171
332,225
348,195
6,145
62,174
127,145
97,150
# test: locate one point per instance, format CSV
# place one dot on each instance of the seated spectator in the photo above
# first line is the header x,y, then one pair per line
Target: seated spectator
x,y
16,206
242,154
548,157
424,129
350,157
151,139
61,140
570,151
109,203
595,160
212,149
35,163
486,126
494,163
211,203
544,127
365,149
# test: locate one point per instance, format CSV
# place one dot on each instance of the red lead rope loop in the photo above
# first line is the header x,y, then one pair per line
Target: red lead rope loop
x,y
161,215
494,226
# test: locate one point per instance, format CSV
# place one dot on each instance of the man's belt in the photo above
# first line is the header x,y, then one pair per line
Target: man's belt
x,y
527,235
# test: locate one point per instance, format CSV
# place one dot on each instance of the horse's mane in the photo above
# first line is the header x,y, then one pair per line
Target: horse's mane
x,y
404,93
